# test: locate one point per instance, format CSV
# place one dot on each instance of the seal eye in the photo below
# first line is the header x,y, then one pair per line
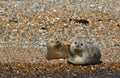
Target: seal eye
x,y
75,42
81,43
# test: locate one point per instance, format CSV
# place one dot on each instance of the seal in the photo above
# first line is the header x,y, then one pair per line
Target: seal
x,y
56,49
84,53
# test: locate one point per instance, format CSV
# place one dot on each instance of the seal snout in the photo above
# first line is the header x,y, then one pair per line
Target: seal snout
x,y
77,46
58,43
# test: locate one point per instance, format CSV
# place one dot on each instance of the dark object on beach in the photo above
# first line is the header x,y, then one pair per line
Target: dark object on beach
x,y
80,21
118,25
43,28
100,20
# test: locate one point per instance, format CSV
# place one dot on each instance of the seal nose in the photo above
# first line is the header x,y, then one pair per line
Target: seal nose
x,y
78,46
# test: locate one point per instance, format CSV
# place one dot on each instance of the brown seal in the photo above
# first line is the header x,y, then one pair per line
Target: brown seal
x,y
56,49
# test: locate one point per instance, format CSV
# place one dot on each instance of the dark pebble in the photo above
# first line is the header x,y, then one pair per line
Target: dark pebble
x,y
80,21
43,28
118,25
100,20
13,20
116,44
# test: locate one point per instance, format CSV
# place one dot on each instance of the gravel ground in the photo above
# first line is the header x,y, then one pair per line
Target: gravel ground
x,y
26,25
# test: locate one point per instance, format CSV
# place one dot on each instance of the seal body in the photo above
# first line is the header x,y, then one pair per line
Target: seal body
x,y
56,49
83,53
